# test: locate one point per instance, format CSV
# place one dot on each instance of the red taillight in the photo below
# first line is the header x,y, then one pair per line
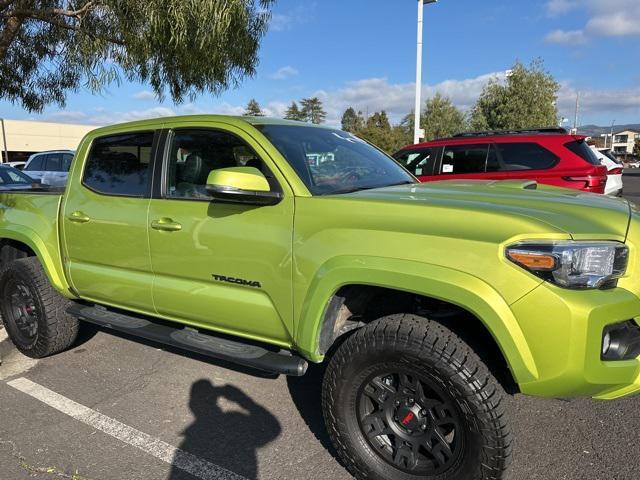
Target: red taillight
x,y
615,171
592,183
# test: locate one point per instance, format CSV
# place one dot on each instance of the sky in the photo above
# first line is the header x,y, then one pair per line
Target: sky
x,y
361,53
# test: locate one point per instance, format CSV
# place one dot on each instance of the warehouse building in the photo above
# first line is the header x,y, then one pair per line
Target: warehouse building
x,y
21,138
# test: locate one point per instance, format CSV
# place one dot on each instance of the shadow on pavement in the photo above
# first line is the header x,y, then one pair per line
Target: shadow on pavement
x,y
228,429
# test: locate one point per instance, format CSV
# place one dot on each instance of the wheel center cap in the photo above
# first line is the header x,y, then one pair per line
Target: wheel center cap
x,y
409,417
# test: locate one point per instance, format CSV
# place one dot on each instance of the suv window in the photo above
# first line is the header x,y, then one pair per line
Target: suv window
x,y
580,148
459,159
523,156
418,162
36,164
66,161
194,153
119,165
53,162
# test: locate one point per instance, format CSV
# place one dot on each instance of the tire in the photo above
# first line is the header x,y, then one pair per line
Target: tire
x,y
34,313
405,399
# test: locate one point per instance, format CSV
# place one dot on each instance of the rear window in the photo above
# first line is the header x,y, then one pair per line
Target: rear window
x,y
523,156
580,148
460,159
119,165
419,162
53,162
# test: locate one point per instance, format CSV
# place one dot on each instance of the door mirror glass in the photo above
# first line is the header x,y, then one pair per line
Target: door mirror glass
x,y
241,185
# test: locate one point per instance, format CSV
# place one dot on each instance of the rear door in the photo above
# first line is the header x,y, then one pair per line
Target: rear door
x,y
218,265
52,169
463,161
105,222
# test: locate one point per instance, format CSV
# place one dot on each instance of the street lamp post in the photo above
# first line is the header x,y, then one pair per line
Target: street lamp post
x,y
417,131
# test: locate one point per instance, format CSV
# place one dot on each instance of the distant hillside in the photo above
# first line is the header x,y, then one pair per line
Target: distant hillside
x,y
596,131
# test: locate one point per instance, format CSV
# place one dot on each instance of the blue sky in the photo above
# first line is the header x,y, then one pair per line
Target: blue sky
x,y
362,53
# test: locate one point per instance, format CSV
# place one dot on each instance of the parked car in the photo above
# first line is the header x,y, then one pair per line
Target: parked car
x,y
13,179
17,165
51,167
549,155
215,234
614,171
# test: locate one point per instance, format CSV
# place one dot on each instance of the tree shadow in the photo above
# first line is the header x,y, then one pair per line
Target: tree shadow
x,y
228,429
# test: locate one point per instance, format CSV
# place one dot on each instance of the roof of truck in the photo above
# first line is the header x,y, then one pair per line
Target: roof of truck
x,y
228,119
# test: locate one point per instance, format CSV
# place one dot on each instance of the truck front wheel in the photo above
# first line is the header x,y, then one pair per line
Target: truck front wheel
x,y
34,313
405,399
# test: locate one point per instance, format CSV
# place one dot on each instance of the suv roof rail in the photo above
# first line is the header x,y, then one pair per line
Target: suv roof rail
x,y
542,130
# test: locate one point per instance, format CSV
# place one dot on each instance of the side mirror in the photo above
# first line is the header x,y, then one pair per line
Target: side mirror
x,y
241,185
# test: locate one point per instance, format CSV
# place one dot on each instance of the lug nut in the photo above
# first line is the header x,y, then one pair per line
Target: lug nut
x,y
397,403
423,412
423,427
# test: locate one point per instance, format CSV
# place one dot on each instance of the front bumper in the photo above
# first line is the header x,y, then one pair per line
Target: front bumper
x,y
564,331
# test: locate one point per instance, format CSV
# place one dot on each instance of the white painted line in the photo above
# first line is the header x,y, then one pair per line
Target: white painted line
x,y
188,462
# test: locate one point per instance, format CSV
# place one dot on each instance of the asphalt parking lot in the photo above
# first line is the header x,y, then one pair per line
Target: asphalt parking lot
x,y
116,408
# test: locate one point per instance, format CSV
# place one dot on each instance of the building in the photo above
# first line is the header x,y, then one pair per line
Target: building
x,y
624,142
21,138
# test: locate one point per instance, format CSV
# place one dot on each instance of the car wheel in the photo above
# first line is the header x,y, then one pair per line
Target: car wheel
x,y
34,313
405,399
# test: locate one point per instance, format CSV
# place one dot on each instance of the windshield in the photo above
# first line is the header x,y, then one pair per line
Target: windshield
x,y
12,176
332,161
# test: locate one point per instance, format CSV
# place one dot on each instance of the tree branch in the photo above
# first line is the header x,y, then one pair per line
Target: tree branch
x,y
11,29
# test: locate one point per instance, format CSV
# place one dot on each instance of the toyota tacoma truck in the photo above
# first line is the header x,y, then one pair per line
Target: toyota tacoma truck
x,y
273,244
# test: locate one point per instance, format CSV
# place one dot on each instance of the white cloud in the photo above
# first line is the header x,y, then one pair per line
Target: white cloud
x,y
607,18
281,22
564,37
144,95
284,73
66,116
598,102
559,7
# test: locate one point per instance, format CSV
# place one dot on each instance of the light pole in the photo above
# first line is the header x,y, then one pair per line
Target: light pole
x,y
417,131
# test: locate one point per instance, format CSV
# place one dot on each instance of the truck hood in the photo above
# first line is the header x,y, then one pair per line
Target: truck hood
x,y
571,211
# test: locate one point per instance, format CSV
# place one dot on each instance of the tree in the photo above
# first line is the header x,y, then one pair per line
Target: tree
x,y
526,99
293,112
52,47
312,110
351,121
378,130
636,148
253,109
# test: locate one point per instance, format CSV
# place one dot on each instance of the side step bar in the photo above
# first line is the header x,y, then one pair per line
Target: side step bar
x,y
190,339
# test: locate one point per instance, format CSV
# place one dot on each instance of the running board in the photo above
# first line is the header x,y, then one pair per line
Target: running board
x,y
190,339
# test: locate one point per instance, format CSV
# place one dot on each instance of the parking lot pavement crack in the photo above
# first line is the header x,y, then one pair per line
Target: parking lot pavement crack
x,y
34,471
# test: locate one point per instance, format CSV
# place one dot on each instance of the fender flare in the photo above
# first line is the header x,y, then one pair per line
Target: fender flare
x,y
442,283
51,265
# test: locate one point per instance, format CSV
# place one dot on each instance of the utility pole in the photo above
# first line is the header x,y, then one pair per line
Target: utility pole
x,y
417,131
575,120
611,146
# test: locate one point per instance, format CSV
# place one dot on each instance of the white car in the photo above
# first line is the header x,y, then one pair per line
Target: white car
x,y
51,168
614,171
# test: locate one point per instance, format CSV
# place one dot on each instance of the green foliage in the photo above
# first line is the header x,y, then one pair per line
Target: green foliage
x,y
180,47
440,118
312,110
351,121
293,112
526,99
253,109
636,148
379,132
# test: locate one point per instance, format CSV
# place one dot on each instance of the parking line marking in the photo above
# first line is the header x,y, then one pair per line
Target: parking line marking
x,y
188,462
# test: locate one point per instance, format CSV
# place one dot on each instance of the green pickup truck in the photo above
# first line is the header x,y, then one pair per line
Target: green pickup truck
x,y
272,244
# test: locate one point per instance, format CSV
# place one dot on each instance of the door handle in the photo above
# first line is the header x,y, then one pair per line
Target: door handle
x,y
78,217
166,225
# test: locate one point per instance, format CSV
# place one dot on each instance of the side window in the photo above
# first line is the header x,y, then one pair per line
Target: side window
x,y
36,164
193,154
418,162
15,178
524,156
66,161
119,165
459,159
53,162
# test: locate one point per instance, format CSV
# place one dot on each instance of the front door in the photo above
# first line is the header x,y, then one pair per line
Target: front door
x,y
220,265
105,222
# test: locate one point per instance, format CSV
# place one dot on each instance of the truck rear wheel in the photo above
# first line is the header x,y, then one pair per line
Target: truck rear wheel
x,y
34,313
405,399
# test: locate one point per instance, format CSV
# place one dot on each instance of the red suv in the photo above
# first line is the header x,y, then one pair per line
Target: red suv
x,y
547,155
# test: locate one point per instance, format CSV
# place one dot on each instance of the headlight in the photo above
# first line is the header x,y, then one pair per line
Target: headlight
x,y
572,264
